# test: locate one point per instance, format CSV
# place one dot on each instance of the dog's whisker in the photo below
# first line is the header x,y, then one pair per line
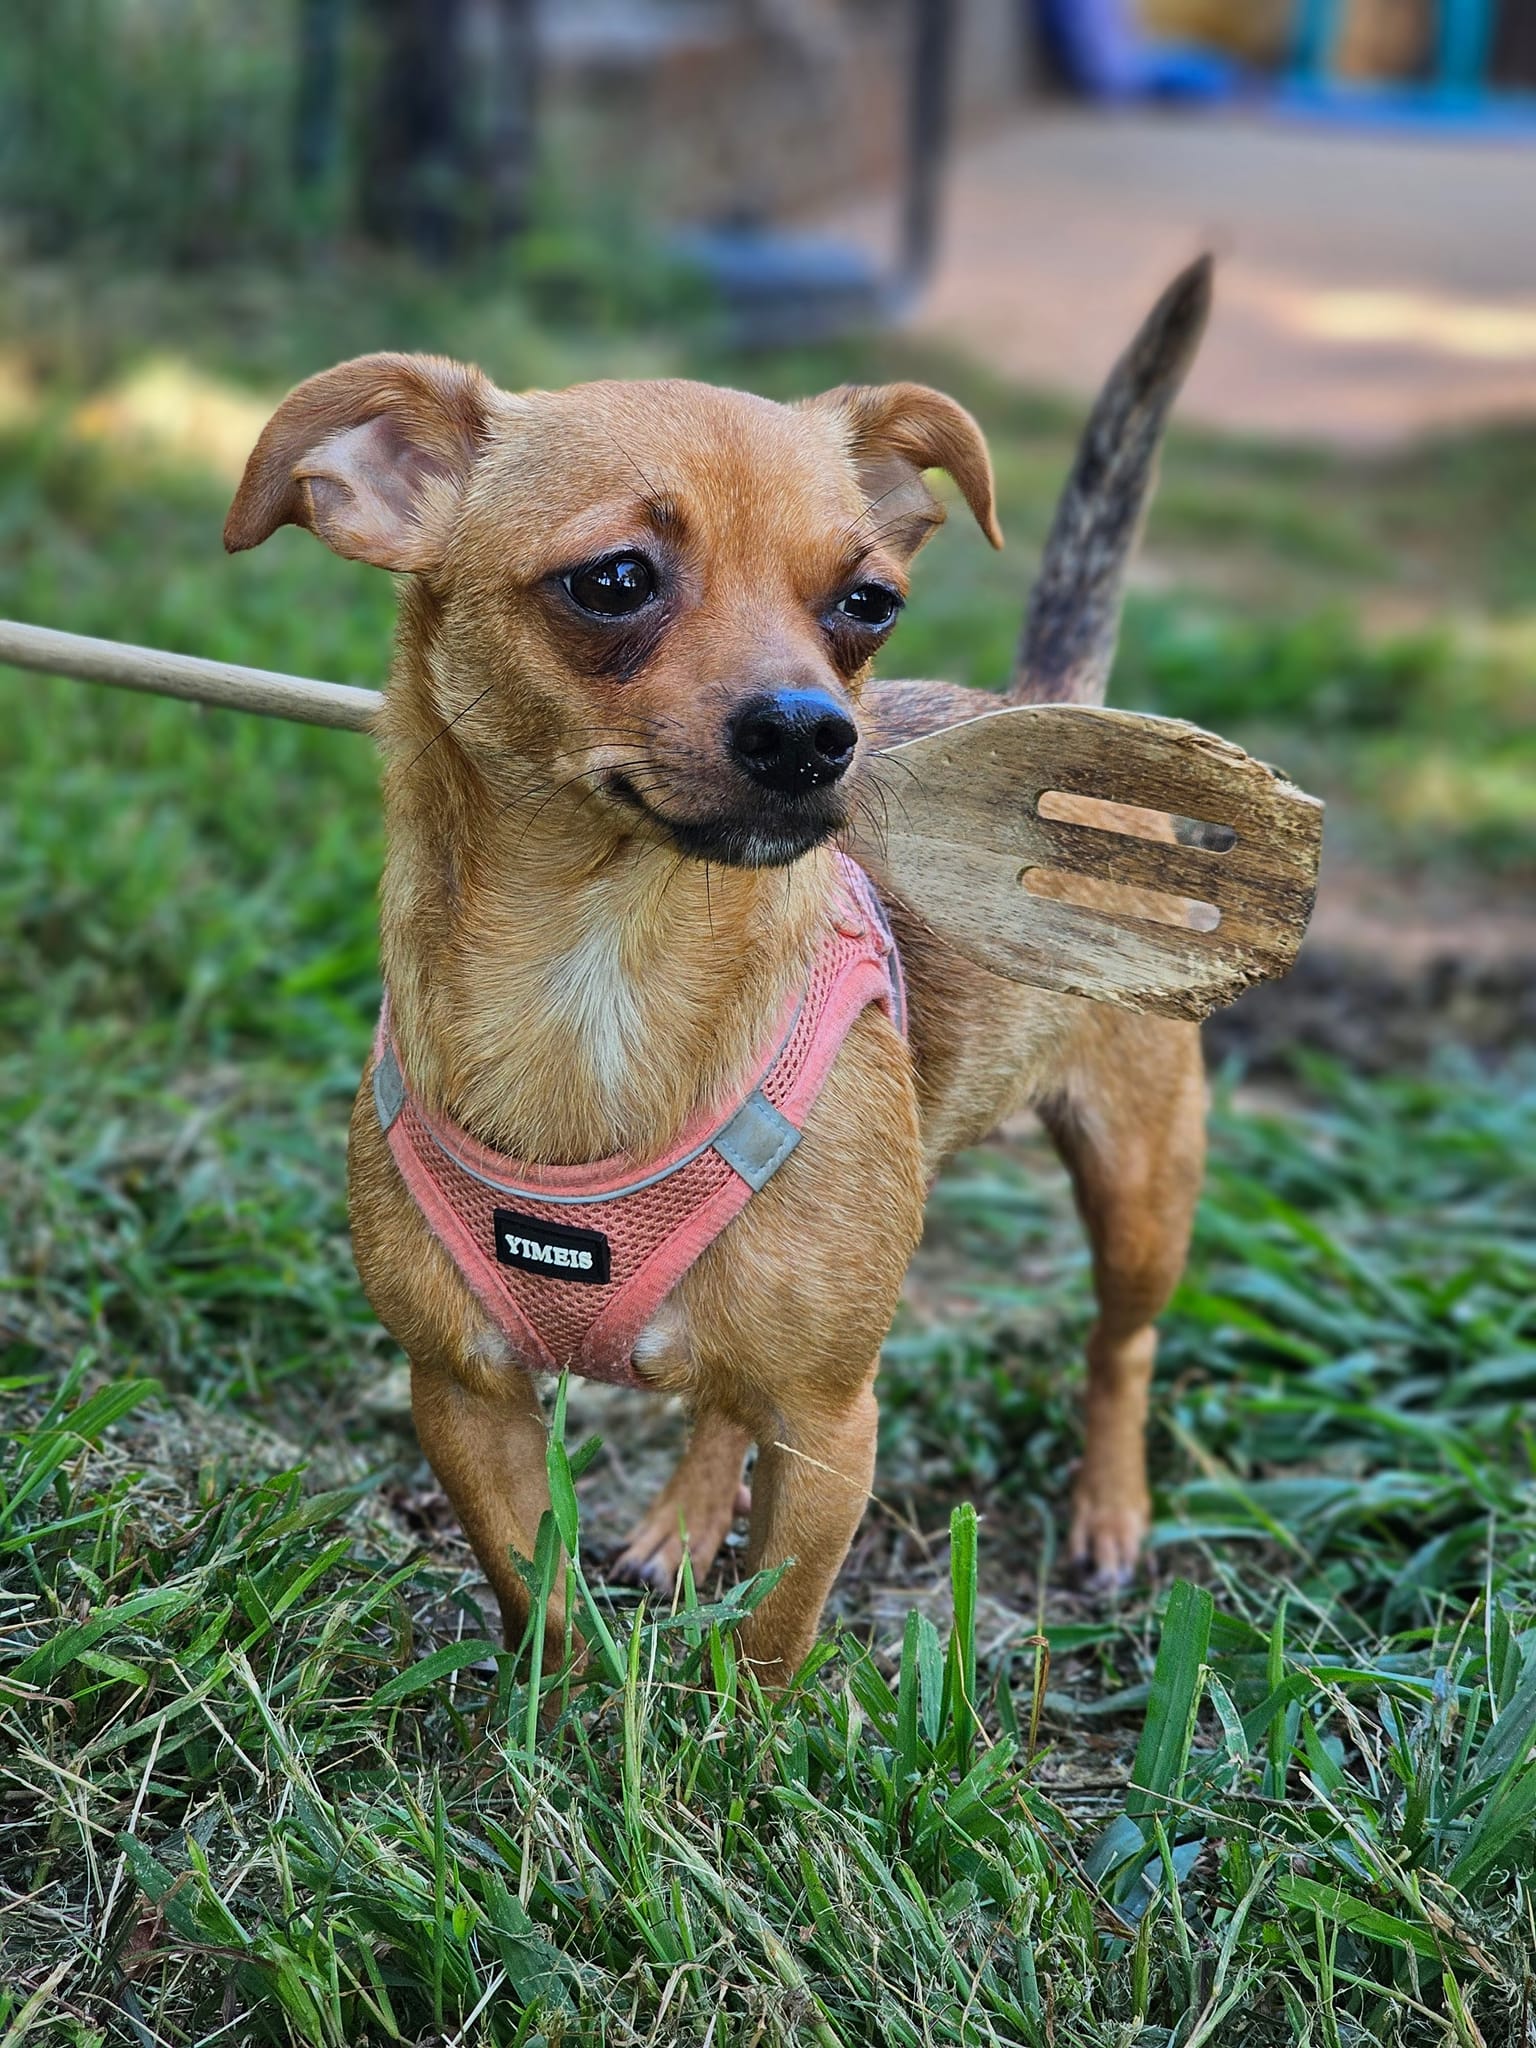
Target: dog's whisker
x,y
883,533
571,782
887,797
850,531
431,743
678,863
885,816
650,489
848,838
885,759
638,761
878,831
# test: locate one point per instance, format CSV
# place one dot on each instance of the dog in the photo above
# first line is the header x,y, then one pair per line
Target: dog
x,y
629,731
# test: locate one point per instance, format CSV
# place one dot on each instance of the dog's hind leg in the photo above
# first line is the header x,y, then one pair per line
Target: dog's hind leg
x,y
1129,1124
695,1508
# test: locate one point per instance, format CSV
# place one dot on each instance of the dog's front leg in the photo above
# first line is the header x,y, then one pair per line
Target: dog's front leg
x,y
477,1413
486,1443
815,1464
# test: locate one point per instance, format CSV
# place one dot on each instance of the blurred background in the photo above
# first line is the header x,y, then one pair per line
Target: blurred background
x,y
203,201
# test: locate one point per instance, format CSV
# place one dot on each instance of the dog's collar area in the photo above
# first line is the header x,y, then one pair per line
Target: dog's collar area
x,y
572,1262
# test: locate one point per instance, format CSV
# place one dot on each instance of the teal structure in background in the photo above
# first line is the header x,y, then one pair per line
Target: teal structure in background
x,y
1458,87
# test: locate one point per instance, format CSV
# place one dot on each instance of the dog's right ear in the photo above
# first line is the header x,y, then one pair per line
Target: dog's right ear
x,y
370,456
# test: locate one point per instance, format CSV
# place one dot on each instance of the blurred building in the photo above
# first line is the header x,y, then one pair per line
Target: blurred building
x,y
759,108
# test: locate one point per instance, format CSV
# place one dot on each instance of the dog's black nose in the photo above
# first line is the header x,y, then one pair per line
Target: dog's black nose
x,y
794,740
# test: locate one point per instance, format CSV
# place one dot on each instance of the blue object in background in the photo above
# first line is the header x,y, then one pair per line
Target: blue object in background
x,y
1102,53
783,291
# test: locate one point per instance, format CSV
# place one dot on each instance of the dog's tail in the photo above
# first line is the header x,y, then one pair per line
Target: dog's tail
x,y
1073,619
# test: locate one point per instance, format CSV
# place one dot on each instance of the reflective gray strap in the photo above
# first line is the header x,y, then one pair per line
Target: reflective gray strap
x,y
388,1087
757,1140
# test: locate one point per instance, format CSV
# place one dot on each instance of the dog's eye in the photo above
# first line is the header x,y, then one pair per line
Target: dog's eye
x,y
870,604
613,588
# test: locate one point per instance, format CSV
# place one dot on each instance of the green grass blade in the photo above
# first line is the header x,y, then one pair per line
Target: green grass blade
x,y
1162,1755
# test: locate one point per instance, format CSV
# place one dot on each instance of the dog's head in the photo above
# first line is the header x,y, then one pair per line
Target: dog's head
x,y
662,594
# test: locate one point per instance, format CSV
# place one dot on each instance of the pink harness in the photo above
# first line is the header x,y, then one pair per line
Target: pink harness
x,y
573,1261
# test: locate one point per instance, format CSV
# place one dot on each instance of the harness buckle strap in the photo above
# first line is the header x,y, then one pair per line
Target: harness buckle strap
x,y
388,1087
757,1140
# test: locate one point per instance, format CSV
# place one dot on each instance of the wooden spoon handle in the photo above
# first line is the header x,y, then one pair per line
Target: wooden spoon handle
x,y
223,683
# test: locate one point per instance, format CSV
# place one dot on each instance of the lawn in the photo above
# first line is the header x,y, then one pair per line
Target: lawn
x,y
263,1775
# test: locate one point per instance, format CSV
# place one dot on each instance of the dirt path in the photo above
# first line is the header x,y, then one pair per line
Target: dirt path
x,y
1372,286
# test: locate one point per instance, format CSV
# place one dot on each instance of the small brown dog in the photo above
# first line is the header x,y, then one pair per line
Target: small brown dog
x,y
630,715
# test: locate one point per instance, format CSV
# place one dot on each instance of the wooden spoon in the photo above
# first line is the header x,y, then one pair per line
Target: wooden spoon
x,y
1133,860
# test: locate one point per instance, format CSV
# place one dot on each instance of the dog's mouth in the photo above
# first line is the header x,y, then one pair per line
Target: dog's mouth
x,y
776,832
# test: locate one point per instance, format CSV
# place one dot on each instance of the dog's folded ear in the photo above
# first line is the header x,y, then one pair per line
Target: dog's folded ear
x,y
896,431
370,456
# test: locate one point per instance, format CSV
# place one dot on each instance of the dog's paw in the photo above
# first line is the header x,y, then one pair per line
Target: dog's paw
x,y
1106,1540
653,1556
655,1570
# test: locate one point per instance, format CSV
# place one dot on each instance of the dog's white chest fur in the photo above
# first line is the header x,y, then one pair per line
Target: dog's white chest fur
x,y
592,1002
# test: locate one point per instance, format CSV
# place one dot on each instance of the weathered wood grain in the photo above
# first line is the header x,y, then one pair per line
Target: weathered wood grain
x,y
965,828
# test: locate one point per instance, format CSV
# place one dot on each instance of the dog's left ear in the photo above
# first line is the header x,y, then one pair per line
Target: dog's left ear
x,y
371,457
896,431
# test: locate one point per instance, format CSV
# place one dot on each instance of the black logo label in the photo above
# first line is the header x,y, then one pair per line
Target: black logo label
x,y
549,1248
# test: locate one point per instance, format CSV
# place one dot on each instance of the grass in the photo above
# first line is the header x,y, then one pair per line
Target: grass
x,y
262,1774
269,1774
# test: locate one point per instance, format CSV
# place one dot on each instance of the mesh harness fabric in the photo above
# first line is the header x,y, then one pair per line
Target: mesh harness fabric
x,y
572,1262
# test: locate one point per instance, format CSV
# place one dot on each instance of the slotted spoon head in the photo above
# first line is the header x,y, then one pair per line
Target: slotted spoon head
x,y
1133,860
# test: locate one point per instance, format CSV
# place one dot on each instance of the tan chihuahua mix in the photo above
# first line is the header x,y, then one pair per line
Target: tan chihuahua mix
x,y
630,720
